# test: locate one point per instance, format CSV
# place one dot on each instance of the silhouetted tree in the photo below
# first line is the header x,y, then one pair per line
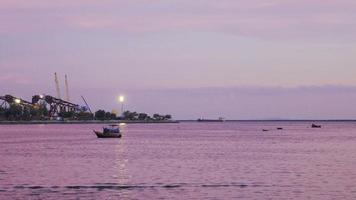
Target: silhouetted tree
x,y
67,115
157,116
100,115
13,113
39,112
113,116
26,115
107,115
142,116
2,113
167,117
130,115
82,115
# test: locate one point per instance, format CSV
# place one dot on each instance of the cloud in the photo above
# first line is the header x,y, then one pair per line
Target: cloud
x,y
92,22
287,19
12,79
45,4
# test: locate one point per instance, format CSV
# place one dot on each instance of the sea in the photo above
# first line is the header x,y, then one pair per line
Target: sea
x,y
188,160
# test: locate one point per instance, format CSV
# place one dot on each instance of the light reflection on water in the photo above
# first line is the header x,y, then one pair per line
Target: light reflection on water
x,y
180,161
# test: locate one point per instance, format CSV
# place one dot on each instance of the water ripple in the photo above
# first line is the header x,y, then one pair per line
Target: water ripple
x,y
111,186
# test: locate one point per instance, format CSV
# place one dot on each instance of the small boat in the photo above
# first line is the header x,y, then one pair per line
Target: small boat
x,y
279,128
315,126
265,130
220,119
110,131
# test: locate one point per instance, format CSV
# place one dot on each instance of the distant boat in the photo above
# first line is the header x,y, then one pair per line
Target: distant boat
x,y
110,131
211,120
279,128
315,126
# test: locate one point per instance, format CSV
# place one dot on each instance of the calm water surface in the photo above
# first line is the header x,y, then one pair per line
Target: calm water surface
x,y
228,160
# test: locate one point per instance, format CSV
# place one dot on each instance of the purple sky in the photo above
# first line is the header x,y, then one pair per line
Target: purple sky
x,y
255,59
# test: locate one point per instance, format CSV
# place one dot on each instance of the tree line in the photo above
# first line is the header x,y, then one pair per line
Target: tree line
x,y
19,113
127,115
132,116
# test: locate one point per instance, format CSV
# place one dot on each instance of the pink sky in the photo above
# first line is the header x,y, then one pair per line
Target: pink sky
x,y
129,45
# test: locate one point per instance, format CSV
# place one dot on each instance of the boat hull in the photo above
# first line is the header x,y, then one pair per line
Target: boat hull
x,y
107,135
315,126
210,120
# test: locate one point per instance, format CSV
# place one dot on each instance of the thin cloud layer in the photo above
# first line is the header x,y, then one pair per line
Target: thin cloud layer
x,y
274,19
15,79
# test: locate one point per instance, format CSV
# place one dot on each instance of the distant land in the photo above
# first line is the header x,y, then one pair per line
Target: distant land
x,y
85,122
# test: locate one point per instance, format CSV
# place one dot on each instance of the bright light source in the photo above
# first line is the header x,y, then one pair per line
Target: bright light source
x,y
121,99
17,101
41,96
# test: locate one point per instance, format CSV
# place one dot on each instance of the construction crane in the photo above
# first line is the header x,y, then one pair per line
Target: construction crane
x,y
3,104
57,85
56,105
87,105
67,88
11,100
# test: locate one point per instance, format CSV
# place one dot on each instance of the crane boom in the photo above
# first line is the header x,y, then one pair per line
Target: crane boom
x,y
87,105
57,85
67,88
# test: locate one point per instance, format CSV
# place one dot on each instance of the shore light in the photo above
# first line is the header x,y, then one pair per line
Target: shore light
x,y
121,98
17,101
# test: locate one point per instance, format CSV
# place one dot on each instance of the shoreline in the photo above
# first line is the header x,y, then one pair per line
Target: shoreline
x,y
87,122
274,120
159,122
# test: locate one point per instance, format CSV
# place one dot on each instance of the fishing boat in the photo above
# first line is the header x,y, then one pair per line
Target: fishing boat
x,y
109,131
315,126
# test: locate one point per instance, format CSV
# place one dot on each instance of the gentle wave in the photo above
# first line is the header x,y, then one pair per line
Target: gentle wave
x,y
111,186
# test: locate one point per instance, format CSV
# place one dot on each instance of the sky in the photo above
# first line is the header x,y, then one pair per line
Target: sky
x,y
239,59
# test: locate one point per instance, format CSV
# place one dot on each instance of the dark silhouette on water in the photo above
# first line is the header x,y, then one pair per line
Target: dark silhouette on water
x,y
315,126
220,119
111,131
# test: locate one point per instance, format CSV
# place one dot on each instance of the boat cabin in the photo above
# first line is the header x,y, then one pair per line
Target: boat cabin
x,y
113,128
